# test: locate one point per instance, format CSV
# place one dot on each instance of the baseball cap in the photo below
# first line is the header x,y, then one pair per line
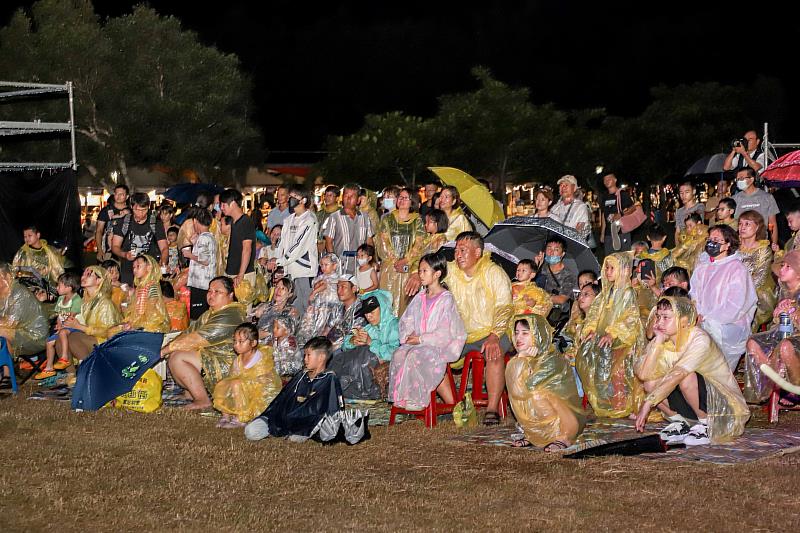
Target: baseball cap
x,y
568,178
348,277
368,305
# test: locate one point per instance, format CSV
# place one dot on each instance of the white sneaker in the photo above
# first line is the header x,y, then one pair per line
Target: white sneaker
x,y
675,433
698,436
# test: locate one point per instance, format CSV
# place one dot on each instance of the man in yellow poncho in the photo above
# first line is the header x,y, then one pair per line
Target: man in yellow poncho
x,y
36,254
482,292
687,378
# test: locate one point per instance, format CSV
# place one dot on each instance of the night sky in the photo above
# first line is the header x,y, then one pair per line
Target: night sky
x,y
319,70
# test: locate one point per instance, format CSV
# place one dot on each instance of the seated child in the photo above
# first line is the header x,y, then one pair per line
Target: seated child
x,y
687,378
528,298
366,275
324,307
693,242
365,348
119,291
656,252
586,277
436,224
252,383
176,310
541,388
304,402
284,345
68,305
725,211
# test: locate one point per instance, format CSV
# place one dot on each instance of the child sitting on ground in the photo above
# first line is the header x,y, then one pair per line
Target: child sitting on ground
x,y
252,384
119,292
311,396
284,345
687,378
528,298
692,244
68,305
656,252
176,310
366,276
324,307
586,277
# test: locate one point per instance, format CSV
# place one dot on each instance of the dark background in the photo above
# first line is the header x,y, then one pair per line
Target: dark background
x,y
319,69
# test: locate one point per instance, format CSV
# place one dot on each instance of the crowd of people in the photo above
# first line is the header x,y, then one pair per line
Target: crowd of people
x,y
358,301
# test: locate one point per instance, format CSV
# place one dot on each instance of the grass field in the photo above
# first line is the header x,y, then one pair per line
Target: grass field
x,y
116,471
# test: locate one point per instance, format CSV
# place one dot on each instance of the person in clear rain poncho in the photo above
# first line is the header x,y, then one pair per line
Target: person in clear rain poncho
x,y
23,324
612,337
687,378
541,388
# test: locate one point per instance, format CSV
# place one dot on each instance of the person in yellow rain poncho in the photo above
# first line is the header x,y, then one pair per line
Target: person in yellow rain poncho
x,y
612,338
458,222
146,309
528,297
541,388
435,225
688,379
692,243
398,242
37,254
207,346
368,205
23,323
482,292
756,254
253,382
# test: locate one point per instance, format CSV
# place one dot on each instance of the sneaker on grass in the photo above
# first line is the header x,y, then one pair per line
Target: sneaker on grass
x,y
675,433
698,436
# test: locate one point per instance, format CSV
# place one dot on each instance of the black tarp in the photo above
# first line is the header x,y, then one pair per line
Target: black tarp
x,y
47,199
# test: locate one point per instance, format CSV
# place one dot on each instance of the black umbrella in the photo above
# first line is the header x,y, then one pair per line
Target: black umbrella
x,y
504,259
707,165
635,446
186,193
524,238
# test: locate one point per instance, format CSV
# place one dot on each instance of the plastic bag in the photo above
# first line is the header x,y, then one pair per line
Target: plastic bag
x,y
464,413
145,397
245,292
261,288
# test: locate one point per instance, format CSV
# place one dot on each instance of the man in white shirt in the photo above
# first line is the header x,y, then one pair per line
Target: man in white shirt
x,y
569,210
749,156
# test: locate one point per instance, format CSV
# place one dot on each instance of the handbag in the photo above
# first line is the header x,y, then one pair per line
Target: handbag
x,y
628,223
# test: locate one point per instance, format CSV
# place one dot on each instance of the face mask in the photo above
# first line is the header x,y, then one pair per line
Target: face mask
x,y
216,207
388,203
742,184
552,259
362,261
713,248
293,202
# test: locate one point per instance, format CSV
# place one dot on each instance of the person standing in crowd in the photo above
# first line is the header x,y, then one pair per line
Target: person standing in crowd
x,y
542,200
106,219
389,199
749,155
712,203
281,209
752,198
347,229
330,204
136,234
368,205
431,188
615,204
202,263
242,243
688,196
482,292
297,252
457,221
569,210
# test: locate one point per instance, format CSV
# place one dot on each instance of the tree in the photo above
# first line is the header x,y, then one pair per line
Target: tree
x,y
146,91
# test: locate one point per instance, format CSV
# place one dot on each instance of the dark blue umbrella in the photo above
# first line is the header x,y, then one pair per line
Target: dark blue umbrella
x,y
186,193
114,367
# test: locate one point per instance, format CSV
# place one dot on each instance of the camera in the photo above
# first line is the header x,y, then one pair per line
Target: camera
x,y
739,142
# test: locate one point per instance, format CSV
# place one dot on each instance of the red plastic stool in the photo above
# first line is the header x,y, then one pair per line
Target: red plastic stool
x,y
434,408
474,360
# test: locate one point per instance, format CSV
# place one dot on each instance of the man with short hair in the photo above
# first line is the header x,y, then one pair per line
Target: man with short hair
x,y
281,209
555,278
347,229
330,204
104,230
569,210
347,291
749,155
482,292
242,243
687,194
37,254
431,188
138,233
752,198
612,210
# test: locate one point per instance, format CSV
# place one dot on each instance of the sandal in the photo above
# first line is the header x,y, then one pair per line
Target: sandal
x,y
521,443
491,419
44,374
61,364
556,446
789,400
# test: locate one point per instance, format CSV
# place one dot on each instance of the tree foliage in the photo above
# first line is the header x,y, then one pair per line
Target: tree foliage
x,y
146,91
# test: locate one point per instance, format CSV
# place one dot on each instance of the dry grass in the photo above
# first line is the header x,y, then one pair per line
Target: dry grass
x,y
115,471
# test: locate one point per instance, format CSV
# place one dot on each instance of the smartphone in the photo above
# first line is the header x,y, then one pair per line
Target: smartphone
x,y
647,268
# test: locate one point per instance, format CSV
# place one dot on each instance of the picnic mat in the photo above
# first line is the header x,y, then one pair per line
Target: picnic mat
x,y
756,443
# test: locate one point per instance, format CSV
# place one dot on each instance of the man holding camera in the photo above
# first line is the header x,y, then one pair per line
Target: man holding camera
x,y
746,153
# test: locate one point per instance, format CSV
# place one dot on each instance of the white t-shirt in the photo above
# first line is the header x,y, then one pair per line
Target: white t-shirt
x,y
205,248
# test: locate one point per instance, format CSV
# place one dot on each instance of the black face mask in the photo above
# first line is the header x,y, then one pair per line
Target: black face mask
x,y
713,248
293,202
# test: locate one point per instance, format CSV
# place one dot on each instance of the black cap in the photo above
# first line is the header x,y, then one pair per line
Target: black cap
x,y
368,305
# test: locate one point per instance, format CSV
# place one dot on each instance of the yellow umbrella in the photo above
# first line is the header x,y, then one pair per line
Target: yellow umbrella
x,y
474,195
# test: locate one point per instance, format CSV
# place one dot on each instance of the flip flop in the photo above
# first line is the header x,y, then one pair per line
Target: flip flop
x,y
491,419
521,443
556,446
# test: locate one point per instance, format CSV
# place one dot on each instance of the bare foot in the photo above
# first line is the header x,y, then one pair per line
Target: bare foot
x,y
197,406
186,395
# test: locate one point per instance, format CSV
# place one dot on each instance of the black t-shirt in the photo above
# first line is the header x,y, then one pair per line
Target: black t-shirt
x,y
241,230
610,206
140,240
110,215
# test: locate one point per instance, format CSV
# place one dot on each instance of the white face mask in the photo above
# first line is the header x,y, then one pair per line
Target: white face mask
x,y
362,261
388,203
742,184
